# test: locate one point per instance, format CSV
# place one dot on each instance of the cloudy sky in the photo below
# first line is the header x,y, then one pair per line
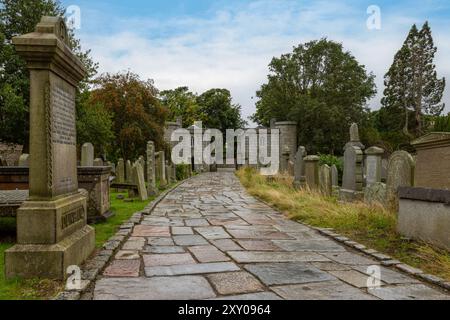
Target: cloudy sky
x,y
207,44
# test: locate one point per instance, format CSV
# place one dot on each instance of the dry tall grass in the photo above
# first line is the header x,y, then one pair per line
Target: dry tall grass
x,y
371,225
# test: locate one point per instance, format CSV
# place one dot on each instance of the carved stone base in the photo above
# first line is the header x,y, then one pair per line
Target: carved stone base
x,y
50,261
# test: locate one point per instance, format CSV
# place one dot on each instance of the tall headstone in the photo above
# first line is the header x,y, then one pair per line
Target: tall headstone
x,y
373,165
52,233
151,176
161,160
24,160
285,156
334,176
299,168
312,172
120,171
352,183
138,172
354,138
400,174
128,172
325,180
87,155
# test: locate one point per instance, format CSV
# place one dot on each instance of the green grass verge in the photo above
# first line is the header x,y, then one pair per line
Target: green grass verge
x,y
122,212
371,225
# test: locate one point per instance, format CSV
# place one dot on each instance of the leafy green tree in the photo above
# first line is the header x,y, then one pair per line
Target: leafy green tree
x,y
94,125
320,86
137,113
19,17
413,89
182,103
442,124
219,110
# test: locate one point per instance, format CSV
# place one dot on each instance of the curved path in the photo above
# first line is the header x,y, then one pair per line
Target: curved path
x,y
209,239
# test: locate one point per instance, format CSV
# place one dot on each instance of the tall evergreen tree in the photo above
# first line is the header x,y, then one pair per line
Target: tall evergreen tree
x,y
412,86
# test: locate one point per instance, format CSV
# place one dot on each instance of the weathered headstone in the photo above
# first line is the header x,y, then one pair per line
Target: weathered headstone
x,y
129,172
400,174
151,176
299,168
433,161
373,165
325,180
52,233
161,165
3,162
334,176
285,156
87,155
352,183
312,171
384,169
375,193
354,138
174,173
98,162
24,160
168,173
138,173
120,171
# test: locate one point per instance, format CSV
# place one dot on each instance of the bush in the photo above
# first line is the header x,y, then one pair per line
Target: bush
x,y
332,160
182,171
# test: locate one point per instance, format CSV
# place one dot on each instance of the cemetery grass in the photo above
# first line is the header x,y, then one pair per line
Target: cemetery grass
x,y
371,225
19,289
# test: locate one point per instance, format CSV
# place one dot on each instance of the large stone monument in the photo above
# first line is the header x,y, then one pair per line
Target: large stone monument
x,y
151,175
352,183
52,233
400,174
299,168
87,155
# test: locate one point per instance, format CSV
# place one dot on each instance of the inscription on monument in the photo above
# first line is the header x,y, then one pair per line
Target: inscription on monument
x,y
72,217
63,103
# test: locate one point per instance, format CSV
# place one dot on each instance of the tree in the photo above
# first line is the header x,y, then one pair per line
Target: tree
x,y
321,87
442,124
220,113
137,113
94,125
412,86
19,17
180,102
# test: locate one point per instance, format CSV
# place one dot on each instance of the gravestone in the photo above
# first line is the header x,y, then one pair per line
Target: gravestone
x,y
87,155
138,172
120,171
174,173
151,176
325,180
433,161
312,171
285,156
354,138
384,169
299,168
24,160
400,174
98,162
128,172
352,183
52,233
161,161
334,176
373,165
3,162
375,193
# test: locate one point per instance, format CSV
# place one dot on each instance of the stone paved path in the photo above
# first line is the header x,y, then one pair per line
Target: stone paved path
x,y
209,239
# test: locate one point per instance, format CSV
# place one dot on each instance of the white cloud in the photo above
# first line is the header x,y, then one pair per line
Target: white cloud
x,y
233,47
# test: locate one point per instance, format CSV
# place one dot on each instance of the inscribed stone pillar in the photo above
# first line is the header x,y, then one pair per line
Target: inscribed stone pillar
x,y
52,233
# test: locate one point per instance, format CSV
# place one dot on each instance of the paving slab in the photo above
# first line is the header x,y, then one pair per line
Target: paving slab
x,y
309,245
154,260
123,268
193,240
164,288
287,273
208,254
262,256
213,233
200,268
235,283
408,292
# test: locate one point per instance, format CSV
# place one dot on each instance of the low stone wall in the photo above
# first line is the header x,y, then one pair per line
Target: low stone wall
x,y
424,214
94,179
